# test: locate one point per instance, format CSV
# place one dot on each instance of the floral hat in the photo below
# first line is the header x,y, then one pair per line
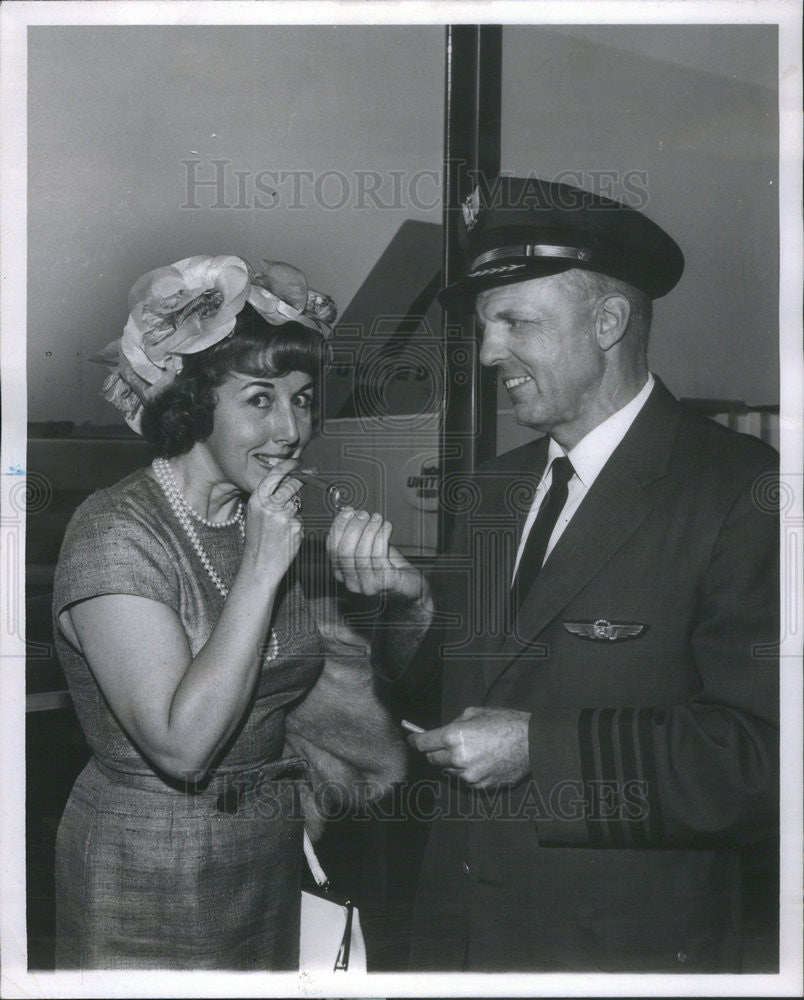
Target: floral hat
x,y
189,306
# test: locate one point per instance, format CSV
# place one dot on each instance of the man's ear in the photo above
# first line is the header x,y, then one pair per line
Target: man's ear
x,y
611,323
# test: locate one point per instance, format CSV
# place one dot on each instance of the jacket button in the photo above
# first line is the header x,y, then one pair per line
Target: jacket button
x,y
465,867
682,956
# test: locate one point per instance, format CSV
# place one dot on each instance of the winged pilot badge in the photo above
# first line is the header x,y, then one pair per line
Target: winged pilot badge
x,y
605,631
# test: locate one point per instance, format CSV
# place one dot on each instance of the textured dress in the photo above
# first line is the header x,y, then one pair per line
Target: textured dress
x,y
152,872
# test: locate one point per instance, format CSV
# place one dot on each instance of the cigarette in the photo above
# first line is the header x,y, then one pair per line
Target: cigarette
x,y
411,726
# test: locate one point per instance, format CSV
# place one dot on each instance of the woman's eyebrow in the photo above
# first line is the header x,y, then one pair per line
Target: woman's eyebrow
x,y
265,384
251,382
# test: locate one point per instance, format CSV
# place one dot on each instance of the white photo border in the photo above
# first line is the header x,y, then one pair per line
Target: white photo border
x,y
15,17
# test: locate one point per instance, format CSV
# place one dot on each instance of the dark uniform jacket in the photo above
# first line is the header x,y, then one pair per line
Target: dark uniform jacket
x,y
645,652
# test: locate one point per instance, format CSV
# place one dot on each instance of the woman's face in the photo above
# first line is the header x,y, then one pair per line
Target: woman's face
x,y
258,421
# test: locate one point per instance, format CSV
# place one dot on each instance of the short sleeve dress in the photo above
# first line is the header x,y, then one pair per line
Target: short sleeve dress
x,y
152,872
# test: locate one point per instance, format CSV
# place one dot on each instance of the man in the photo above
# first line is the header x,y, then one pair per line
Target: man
x,y
605,647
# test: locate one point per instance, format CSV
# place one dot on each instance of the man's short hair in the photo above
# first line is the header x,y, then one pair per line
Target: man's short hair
x,y
590,284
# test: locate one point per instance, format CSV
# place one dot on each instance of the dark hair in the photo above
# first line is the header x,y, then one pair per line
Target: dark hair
x,y
183,413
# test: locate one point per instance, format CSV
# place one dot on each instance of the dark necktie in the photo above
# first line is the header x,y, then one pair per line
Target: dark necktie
x,y
536,544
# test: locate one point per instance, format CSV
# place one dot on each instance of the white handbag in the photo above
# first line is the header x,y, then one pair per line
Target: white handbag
x,y
331,939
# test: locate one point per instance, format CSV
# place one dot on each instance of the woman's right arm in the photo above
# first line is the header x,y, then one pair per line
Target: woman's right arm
x,y
178,709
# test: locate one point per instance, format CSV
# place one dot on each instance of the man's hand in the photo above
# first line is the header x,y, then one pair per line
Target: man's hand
x,y
483,746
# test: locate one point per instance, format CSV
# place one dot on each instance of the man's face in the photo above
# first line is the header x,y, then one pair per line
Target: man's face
x,y
540,335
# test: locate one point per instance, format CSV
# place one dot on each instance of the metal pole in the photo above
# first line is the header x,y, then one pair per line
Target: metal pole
x,y
471,150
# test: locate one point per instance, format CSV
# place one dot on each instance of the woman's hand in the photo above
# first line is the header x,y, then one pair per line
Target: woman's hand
x,y
273,528
365,561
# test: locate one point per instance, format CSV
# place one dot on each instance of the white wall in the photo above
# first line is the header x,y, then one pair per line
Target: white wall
x,y
684,120
114,112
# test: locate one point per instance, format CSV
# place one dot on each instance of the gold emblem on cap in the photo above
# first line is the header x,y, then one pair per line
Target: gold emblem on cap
x,y
470,209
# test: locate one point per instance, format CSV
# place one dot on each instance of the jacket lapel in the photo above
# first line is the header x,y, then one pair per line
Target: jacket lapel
x,y
611,512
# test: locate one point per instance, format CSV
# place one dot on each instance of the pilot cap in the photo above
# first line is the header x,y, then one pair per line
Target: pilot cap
x,y
523,228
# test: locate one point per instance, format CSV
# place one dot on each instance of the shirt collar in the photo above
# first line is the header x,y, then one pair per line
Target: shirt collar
x,y
592,452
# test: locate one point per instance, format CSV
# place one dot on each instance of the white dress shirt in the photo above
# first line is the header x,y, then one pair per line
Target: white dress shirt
x,y
588,457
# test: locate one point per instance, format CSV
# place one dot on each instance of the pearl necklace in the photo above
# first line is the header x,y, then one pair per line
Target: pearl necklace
x,y
183,511
166,479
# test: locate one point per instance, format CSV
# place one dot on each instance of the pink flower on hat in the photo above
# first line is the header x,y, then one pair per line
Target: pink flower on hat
x,y
182,309
280,293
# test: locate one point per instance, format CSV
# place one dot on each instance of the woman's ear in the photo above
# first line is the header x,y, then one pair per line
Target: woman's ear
x,y
613,315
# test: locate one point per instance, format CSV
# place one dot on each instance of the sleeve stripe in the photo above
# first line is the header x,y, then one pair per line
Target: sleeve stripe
x,y
646,751
586,741
609,817
622,807
639,835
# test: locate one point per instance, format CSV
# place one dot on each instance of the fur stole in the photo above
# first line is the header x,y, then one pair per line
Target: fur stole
x,y
354,749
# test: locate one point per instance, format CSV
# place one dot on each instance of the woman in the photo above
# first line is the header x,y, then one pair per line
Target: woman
x,y
184,637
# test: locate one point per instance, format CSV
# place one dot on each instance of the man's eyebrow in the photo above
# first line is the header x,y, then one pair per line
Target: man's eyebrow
x,y
507,315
